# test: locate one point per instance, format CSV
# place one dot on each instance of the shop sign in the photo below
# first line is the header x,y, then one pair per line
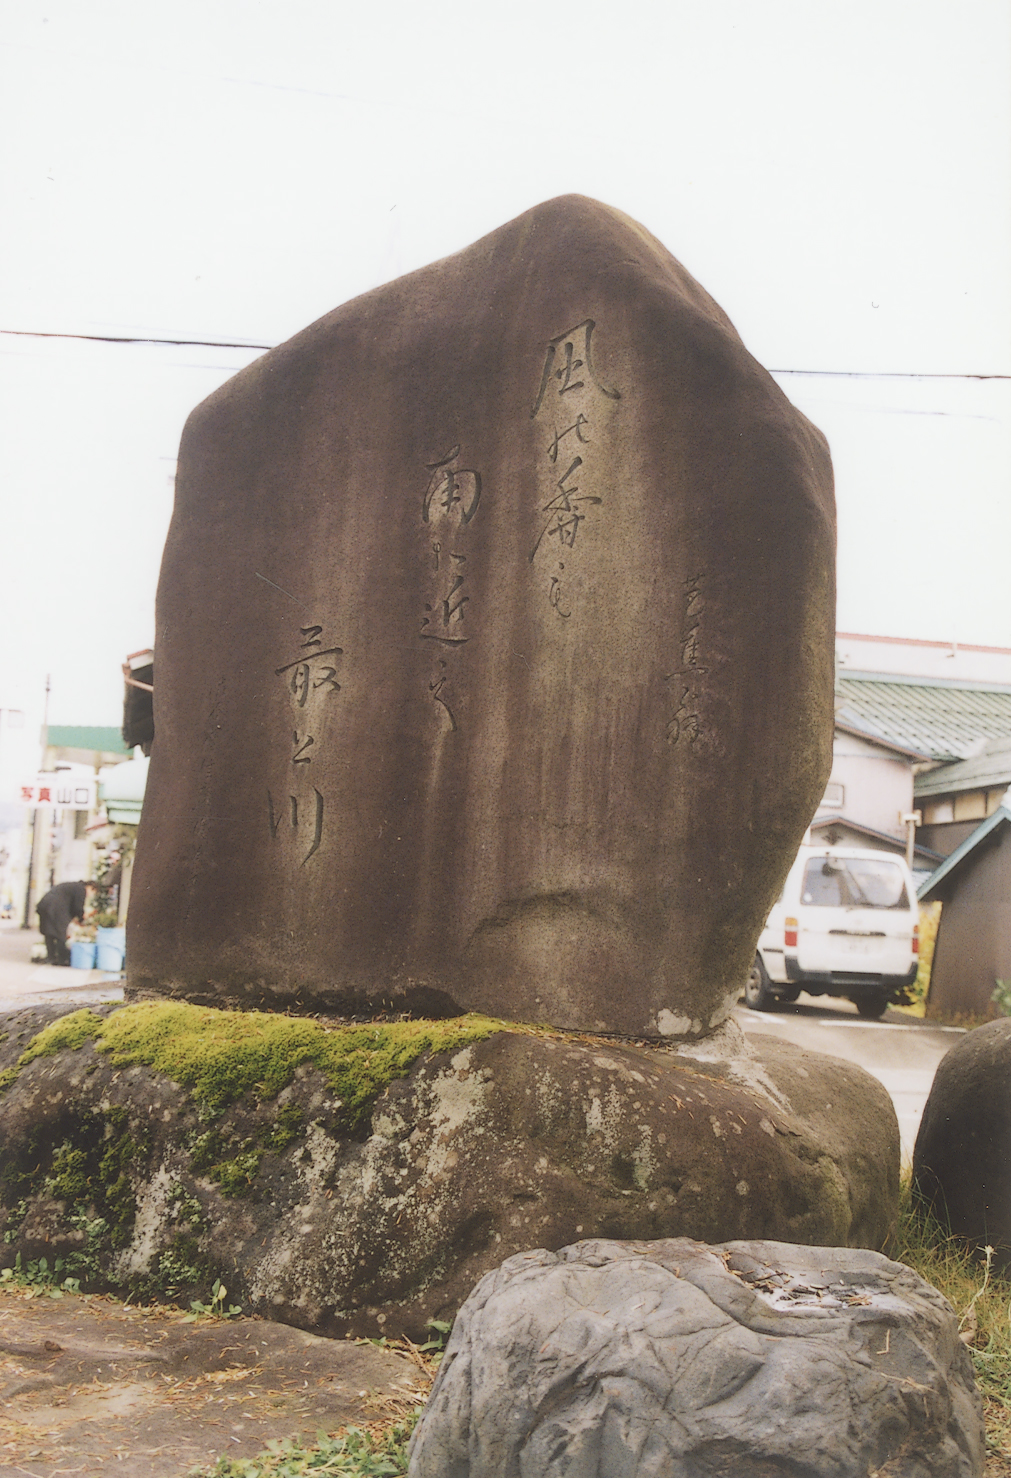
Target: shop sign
x,y
69,792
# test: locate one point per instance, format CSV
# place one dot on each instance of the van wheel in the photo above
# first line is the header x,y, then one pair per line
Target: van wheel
x,y
872,1005
757,994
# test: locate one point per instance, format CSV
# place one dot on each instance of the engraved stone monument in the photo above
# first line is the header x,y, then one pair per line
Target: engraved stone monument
x,y
495,651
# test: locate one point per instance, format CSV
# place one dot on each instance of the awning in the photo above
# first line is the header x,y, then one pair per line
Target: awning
x,y
121,788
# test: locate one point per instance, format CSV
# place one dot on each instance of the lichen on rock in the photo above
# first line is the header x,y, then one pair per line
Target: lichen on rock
x,y
397,1162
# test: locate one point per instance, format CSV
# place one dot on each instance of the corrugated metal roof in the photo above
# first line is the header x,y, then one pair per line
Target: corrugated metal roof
x,y
912,754
86,736
946,720
990,768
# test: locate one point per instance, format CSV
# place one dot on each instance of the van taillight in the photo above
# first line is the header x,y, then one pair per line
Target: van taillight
x,y
790,933
916,939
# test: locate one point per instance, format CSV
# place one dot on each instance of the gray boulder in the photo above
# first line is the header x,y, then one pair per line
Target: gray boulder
x,y
676,1360
513,1141
963,1148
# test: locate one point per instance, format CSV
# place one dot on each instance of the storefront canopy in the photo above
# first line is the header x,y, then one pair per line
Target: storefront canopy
x,y
121,789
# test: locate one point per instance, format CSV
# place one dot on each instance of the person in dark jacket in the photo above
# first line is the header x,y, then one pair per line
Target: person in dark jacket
x,y
56,910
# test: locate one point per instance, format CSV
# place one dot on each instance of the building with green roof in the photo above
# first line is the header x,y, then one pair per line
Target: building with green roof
x,y
961,731
84,744
945,719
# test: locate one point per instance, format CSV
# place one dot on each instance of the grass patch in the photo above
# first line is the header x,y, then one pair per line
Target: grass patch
x,y
374,1451
223,1055
980,1297
367,1451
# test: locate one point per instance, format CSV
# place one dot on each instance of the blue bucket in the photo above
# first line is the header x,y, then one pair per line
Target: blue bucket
x,y
111,947
82,955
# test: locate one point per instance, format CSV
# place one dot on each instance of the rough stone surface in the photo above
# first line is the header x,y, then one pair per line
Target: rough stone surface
x,y
514,1142
495,651
676,1360
963,1147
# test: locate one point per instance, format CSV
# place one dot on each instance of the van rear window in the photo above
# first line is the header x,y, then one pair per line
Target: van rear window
x,y
853,882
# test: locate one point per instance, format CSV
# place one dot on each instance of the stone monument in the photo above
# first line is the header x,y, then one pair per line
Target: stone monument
x,y
495,651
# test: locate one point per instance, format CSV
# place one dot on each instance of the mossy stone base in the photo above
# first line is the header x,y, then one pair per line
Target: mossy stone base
x,y
453,1159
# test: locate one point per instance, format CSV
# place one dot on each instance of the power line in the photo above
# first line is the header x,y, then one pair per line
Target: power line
x,y
889,374
28,333
237,344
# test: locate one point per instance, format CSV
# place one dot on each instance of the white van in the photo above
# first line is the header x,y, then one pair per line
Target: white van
x,y
845,924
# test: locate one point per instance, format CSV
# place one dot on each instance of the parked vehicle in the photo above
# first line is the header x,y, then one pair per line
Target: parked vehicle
x,y
846,924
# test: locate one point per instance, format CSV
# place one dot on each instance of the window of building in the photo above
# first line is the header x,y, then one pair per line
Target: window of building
x,y
835,794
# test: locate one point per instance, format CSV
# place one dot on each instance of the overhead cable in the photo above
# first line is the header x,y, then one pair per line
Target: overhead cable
x,y
245,344
28,333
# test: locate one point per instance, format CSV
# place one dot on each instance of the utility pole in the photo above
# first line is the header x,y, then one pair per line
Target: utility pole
x,y
29,886
911,820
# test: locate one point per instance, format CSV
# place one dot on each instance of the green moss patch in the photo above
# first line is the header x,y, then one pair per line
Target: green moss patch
x,y
223,1055
69,1032
233,1163
92,1171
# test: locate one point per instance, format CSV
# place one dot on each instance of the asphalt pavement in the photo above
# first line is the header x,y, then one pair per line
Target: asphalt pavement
x,y
901,1051
27,982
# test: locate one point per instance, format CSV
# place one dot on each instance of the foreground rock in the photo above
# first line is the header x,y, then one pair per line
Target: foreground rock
x,y
963,1147
495,651
89,1386
666,1359
514,1141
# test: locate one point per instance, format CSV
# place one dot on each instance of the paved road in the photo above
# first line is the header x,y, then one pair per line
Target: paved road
x,y
901,1051
24,982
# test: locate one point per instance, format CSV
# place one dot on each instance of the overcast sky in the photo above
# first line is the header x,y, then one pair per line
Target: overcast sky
x,y
836,174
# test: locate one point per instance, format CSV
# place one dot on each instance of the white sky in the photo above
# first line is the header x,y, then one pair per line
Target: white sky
x,y
836,174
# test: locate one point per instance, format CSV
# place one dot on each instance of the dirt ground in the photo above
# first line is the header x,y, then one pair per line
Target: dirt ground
x,y
91,1387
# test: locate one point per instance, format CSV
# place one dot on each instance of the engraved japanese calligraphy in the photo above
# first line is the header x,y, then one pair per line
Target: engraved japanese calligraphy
x,y
452,490
310,678
568,388
565,348
685,679
450,501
